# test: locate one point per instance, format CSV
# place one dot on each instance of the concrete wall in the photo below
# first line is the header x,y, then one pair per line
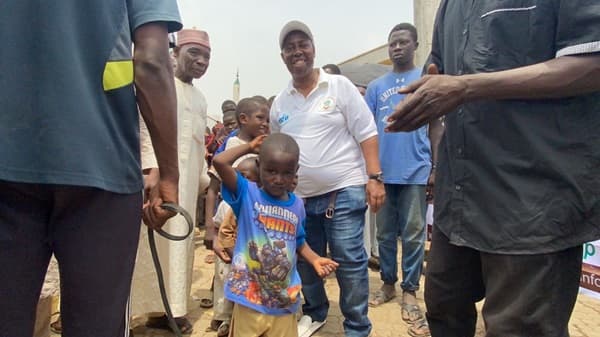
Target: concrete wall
x,y
424,16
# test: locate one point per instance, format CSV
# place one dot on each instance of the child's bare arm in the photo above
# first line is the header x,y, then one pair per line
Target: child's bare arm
x,y
223,162
323,266
228,234
229,251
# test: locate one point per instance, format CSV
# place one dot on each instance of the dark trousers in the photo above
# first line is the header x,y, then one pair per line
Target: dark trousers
x,y
94,236
525,295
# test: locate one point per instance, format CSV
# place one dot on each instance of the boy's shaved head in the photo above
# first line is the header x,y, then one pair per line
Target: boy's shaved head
x,y
247,106
247,164
230,113
260,99
278,165
249,168
279,142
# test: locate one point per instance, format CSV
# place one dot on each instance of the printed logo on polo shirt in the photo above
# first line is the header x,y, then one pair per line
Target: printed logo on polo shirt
x,y
327,104
283,119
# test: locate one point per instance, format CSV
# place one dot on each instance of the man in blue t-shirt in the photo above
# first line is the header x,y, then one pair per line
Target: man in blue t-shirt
x,y
407,162
263,282
70,176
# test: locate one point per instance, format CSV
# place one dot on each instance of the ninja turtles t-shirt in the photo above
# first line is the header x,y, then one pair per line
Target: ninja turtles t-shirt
x,y
263,274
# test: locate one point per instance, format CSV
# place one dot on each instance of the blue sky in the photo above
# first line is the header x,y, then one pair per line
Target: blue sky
x,y
244,35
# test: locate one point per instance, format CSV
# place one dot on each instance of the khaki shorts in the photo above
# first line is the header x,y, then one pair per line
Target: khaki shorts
x,y
250,323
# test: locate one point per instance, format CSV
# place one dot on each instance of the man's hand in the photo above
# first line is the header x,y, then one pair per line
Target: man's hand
x,y
430,185
166,191
221,252
324,266
375,195
430,97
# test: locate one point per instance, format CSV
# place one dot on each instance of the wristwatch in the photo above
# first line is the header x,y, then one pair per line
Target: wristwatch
x,y
377,176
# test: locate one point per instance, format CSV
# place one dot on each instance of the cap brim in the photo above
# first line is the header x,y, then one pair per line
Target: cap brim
x,y
293,26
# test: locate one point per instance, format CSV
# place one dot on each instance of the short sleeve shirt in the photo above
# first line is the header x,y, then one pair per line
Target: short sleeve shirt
x,y
263,274
68,111
328,125
405,157
518,176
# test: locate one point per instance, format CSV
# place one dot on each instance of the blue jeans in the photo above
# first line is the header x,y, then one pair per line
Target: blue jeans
x,y
402,214
344,234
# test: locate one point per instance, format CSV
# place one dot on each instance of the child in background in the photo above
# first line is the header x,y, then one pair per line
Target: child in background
x,y
253,120
264,283
227,232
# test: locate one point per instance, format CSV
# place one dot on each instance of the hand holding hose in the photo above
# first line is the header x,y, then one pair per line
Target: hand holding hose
x,y
157,192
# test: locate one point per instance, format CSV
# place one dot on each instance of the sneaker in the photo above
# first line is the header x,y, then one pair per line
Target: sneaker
x,y
307,327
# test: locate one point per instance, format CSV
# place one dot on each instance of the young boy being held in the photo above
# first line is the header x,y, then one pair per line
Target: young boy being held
x,y
264,283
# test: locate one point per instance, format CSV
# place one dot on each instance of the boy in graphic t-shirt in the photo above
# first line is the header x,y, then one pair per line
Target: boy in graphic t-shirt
x,y
263,282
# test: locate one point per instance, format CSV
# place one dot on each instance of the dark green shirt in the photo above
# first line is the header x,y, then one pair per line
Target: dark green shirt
x,y
518,176
68,113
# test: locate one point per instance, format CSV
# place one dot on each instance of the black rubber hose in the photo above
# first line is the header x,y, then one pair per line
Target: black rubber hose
x,y
159,274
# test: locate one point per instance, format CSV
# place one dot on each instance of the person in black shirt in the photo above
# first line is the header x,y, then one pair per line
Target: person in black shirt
x,y
518,180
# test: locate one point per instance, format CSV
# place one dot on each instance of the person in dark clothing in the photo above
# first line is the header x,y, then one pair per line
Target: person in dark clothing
x,y
517,186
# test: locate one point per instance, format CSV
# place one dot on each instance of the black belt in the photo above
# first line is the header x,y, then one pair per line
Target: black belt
x,y
330,211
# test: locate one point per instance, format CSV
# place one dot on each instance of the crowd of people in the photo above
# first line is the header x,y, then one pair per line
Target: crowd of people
x,y
499,127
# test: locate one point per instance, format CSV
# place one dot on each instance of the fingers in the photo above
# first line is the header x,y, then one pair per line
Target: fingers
x,y
416,118
417,108
375,204
150,218
407,89
154,215
222,254
375,195
326,267
432,69
422,112
257,142
404,112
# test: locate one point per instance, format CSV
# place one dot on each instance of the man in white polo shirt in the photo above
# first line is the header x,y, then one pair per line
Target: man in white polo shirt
x,y
339,174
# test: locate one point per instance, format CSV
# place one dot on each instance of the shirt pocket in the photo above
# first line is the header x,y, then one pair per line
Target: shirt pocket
x,y
501,34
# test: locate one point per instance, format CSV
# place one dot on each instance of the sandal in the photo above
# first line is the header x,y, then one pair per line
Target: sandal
x,y
206,303
381,296
162,323
214,325
223,329
411,313
419,329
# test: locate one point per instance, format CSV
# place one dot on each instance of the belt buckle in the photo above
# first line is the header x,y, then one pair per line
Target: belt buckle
x,y
329,212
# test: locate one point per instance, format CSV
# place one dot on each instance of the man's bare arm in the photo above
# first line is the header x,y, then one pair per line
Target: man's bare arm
x,y
158,105
436,95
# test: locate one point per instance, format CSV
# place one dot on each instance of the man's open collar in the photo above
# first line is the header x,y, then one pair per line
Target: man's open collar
x,y
323,81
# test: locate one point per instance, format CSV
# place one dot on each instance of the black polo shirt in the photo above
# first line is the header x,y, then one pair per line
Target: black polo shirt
x,y
518,176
